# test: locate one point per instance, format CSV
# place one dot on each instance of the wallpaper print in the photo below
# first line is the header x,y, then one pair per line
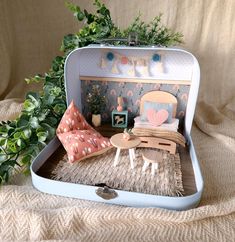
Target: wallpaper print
x,y
131,93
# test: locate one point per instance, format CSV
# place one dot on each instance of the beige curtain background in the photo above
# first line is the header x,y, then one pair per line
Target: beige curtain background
x,y
30,36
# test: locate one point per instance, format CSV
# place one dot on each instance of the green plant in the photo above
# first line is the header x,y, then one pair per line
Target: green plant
x,y
22,139
95,100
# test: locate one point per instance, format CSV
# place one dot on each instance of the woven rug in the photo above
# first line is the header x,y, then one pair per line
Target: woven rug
x,y
167,180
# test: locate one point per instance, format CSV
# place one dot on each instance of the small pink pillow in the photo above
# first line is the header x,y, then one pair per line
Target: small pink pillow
x,y
79,139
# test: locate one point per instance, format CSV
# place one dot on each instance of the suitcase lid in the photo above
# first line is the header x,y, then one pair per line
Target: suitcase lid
x,y
97,62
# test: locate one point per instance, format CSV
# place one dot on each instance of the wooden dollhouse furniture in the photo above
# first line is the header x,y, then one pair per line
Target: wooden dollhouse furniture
x,y
152,157
159,138
120,143
119,118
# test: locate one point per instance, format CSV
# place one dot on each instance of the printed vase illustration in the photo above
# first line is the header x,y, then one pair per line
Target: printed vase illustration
x,y
96,120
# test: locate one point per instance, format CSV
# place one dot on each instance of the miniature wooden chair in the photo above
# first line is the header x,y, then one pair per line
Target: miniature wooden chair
x,y
153,157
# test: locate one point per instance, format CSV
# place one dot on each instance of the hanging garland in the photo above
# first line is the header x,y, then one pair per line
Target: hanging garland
x,y
115,60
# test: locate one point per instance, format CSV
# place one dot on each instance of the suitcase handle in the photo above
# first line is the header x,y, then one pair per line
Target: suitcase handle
x,y
132,40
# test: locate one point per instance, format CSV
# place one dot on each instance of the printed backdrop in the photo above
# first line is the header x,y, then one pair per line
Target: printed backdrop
x,y
131,93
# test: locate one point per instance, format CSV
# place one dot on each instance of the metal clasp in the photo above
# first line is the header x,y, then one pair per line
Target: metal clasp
x,y
106,193
133,39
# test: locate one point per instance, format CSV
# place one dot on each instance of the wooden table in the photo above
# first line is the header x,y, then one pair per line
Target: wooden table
x,y
120,143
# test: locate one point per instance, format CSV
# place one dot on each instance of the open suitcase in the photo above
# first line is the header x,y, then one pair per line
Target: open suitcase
x,y
149,68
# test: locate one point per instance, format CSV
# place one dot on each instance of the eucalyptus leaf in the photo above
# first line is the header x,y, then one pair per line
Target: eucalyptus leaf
x,y
2,141
42,136
34,100
60,108
52,121
17,135
33,122
26,159
50,130
3,129
20,143
28,105
22,120
27,133
3,157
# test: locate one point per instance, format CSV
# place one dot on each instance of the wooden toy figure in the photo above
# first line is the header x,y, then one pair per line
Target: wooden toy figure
x,y
120,104
119,116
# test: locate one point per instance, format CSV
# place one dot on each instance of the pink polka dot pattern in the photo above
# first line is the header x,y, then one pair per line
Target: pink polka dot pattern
x,y
79,139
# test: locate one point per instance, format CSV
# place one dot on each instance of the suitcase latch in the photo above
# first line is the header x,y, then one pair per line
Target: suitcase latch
x,y
106,193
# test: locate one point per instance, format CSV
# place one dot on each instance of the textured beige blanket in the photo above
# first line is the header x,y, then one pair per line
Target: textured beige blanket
x,y
30,35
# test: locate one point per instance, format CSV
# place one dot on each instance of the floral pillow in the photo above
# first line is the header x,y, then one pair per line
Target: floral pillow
x,y
79,139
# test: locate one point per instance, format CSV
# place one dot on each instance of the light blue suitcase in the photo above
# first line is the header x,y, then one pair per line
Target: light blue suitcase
x,y
180,68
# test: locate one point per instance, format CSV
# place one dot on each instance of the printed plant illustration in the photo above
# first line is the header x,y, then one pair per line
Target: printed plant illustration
x,y
95,100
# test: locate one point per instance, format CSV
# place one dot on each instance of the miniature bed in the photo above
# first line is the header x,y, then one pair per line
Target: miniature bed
x,y
159,137
85,66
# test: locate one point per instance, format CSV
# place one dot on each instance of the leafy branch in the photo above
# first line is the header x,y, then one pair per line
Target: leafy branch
x,y
22,139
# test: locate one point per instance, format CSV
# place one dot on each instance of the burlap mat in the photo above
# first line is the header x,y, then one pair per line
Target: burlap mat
x,y
167,180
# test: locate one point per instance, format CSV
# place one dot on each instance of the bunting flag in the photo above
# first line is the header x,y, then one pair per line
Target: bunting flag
x,y
145,71
115,68
112,60
159,67
103,63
